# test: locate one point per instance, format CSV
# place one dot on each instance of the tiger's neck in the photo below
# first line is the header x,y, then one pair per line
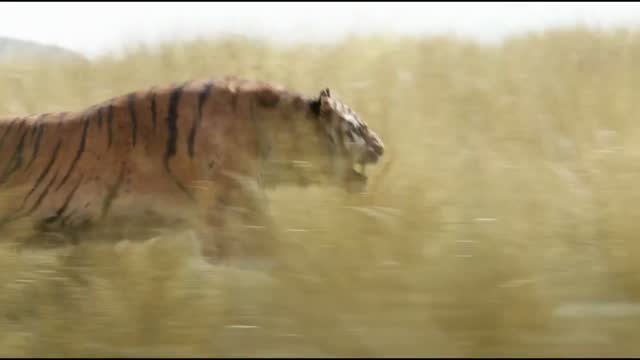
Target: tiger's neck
x,y
281,138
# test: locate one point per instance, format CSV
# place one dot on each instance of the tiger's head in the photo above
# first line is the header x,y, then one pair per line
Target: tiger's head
x,y
352,144
315,140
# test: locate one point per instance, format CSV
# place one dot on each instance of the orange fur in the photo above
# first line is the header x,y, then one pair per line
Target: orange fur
x,y
180,151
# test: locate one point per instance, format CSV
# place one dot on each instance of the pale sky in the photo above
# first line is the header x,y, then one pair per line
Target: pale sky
x,y
93,28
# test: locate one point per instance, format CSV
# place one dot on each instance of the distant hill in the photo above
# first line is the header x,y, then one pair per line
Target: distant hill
x,y
13,49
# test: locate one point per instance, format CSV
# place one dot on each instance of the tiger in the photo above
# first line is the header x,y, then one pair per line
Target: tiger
x,y
201,149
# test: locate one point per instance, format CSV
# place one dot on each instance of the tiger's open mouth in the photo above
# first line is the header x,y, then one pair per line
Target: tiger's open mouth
x,y
353,168
357,171
357,167
355,177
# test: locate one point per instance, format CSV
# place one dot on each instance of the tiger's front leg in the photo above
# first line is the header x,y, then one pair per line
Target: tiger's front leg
x,y
240,227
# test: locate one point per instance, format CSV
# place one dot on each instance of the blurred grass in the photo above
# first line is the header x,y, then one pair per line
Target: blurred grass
x,y
511,197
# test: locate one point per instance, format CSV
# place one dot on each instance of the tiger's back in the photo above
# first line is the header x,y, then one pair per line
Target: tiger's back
x,y
147,151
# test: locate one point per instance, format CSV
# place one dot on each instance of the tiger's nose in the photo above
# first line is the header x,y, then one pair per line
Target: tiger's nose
x,y
378,148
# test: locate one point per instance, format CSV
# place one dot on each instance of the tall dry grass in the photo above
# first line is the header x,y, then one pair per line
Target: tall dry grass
x,y
505,223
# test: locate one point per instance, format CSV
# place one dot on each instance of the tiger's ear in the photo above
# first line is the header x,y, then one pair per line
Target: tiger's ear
x,y
321,103
325,95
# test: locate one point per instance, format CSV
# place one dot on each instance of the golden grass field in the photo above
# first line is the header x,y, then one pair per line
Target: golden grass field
x,y
503,220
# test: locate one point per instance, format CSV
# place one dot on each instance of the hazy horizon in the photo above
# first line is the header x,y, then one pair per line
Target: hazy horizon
x,y
97,28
